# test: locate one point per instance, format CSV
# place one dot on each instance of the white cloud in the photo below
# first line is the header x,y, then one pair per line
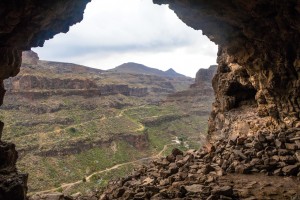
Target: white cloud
x,y
117,31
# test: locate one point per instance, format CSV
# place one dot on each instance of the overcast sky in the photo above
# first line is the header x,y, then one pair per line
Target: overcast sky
x,y
119,31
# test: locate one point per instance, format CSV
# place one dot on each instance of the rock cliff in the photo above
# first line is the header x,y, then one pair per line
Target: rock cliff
x,y
25,24
198,98
258,60
204,77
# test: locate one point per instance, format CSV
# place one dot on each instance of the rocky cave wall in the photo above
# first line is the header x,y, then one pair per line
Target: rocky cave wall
x,y
257,84
25,24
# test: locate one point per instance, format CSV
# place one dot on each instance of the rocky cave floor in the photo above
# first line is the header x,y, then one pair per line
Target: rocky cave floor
x,y
264,166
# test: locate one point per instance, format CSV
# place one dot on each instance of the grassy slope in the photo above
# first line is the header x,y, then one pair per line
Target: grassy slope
x,y
81,120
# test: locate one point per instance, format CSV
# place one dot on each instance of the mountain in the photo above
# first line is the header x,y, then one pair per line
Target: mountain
x,y
70,121
135,68
172,73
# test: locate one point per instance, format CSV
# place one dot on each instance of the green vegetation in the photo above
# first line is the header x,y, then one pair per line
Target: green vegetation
x,y
77,142
65,139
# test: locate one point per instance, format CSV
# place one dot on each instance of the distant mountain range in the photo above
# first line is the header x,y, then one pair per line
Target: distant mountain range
x,y
135,68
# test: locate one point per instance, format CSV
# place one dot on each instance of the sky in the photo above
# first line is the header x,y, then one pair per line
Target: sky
x,y
114,32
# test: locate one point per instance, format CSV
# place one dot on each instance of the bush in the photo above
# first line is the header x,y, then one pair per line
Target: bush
x,y
72,130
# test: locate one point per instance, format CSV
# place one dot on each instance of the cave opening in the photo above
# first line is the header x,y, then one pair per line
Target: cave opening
x,y
261,37
77,120
243,94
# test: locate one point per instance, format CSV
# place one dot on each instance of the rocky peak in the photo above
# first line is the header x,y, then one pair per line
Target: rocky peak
x,y
205,76
172,73
30,58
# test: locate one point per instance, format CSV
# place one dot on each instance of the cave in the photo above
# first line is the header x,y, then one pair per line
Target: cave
x,y
241,93
258,37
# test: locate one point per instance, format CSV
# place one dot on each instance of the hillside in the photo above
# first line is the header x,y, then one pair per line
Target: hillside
x,y
77,121
135,68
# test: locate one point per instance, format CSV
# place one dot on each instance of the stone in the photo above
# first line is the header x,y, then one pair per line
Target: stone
x,y
278,172
297,154
118,192
291,170
225,190
291,146
257,145
279,144
283,152
288,159
240,154
243,169
147,181
261,138
195,188
241,140
176,152
53,196
207,168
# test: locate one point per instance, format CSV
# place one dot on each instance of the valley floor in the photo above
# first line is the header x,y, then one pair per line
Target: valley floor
x,y
85,138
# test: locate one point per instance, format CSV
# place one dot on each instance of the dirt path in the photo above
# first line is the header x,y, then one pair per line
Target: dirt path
x,y
66,186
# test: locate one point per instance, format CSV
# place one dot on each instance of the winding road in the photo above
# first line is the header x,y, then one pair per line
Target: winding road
x,y
66,186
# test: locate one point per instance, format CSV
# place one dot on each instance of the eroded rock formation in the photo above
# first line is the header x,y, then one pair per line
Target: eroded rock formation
x,y
259,59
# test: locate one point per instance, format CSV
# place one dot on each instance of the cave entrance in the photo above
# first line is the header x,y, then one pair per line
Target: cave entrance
x,y
78,120
243,94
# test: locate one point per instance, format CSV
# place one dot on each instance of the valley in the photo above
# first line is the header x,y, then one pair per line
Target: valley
x,y
74,124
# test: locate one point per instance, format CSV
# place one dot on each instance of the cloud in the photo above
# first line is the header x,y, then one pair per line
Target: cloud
x,y
138,30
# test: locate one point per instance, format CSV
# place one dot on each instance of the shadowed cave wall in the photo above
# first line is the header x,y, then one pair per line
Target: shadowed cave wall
x,y
257,84
25,24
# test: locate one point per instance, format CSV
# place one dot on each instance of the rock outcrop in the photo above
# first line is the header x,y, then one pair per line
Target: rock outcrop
x,y
204,77
26,24
198,98
258,58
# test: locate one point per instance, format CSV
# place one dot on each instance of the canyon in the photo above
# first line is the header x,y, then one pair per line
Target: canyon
x,y
79,120
256,85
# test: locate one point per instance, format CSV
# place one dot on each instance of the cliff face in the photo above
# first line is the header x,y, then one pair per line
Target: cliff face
x,y
42,79
204,77
199,90
258,60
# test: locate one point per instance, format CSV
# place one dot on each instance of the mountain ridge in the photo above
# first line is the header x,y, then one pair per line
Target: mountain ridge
x,y
136,68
